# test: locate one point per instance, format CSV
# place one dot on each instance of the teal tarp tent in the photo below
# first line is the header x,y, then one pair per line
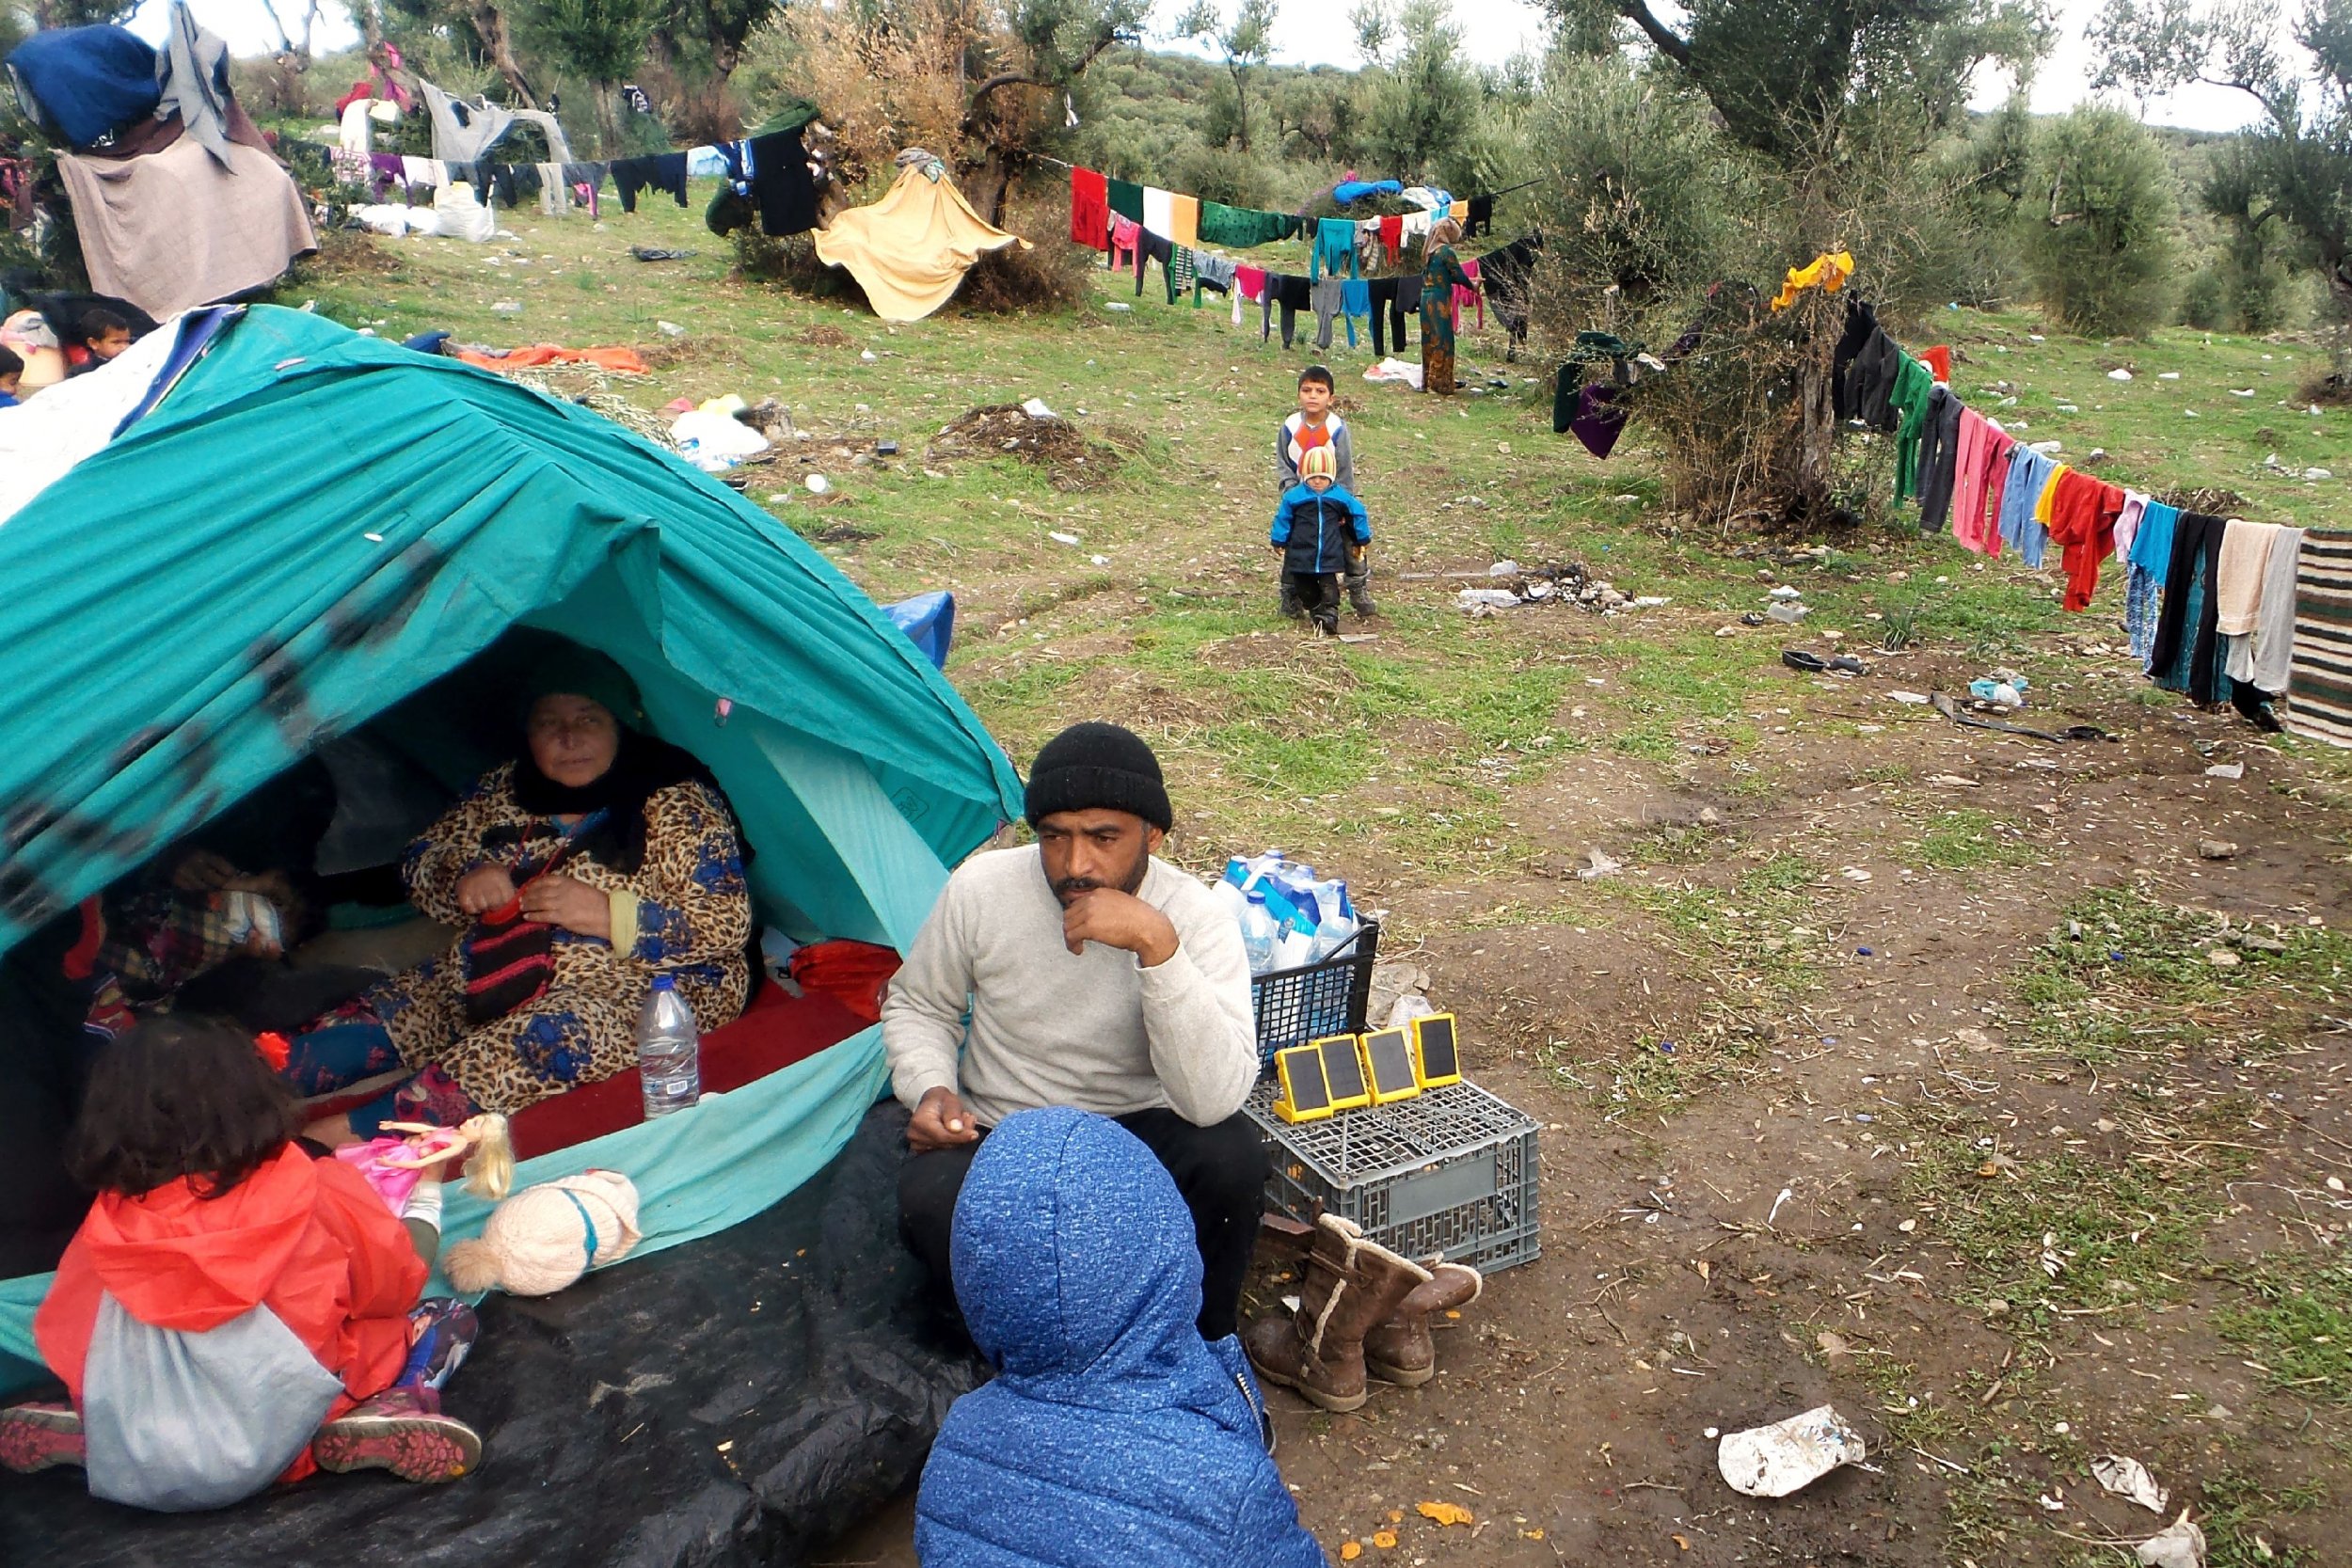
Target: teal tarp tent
x,y
312,525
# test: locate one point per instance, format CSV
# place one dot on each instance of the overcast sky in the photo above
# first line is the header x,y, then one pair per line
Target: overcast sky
x,y
1309,32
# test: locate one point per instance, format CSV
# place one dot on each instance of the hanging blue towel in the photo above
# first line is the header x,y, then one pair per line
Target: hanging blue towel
x,y
1357,190
1355,300
84,81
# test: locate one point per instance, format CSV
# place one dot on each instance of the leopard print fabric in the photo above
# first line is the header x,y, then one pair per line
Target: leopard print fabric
x,y
694,922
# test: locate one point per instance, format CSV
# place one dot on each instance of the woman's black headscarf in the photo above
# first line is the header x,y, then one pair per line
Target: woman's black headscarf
x,y
644,765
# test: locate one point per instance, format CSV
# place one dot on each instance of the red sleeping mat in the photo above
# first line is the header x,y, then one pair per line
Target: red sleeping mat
x,y
776,1031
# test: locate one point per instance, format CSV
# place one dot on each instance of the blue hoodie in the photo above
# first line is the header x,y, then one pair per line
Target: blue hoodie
x,y
1314,531
1112,1432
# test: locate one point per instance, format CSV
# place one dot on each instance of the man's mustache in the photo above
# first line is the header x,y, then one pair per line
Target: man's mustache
x,y
1069,885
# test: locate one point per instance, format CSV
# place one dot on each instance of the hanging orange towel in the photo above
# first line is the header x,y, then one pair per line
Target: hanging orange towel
x,y
548,354
1183,219
1827,271
1939,363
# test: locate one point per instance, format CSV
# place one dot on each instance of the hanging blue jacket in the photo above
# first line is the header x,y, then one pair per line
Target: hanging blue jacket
x,y
1350,191
1315,531
1112,1433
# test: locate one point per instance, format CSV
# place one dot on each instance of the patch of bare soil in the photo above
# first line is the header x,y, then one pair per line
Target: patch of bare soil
x,y
824,336
1006,430
1733,1225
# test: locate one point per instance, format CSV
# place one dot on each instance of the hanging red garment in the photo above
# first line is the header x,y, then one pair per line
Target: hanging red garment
x,y
1939,362
2083,512
1089,209
1392,236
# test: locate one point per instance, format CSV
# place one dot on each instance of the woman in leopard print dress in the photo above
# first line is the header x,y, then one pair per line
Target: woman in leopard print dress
x,y
622,848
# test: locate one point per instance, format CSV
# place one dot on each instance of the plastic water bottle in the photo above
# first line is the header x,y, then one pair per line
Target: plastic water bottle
x,y
669,1051
1258,934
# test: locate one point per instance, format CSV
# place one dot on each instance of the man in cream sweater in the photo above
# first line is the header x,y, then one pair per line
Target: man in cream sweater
x,y
1093,975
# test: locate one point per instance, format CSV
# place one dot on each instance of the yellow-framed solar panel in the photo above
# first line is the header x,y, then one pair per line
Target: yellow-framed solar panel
x,y
1304,1095
1388,1063
1343,1071
1436,1051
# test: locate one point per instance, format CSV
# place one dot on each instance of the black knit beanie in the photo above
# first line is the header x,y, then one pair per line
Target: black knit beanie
x,y
1096,767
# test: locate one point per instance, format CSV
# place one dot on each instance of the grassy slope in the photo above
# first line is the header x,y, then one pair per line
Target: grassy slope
x,y
1283,742
1426,758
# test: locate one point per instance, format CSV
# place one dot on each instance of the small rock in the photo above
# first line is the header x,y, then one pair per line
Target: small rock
x,y
671,329
2216,849
2221,958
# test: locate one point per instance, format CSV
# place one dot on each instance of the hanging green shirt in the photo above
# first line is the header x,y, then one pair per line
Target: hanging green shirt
x,y
1913,382
1126,199
1243,226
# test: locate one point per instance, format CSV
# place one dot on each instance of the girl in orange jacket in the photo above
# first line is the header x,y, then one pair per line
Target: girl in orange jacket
x,y
234,1311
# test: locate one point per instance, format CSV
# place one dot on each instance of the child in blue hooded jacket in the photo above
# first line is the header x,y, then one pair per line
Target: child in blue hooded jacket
x,y
1315,526
1113,1432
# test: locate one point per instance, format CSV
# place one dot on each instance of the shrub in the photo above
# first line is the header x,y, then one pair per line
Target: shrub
x,y
2101,221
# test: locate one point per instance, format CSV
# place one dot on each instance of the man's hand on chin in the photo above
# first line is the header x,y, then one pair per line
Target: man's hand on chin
x,y
1120,920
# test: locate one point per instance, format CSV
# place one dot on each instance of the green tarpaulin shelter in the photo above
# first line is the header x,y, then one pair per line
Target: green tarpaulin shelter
x,y
312,525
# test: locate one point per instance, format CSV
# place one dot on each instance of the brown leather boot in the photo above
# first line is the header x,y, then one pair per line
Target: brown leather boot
x,y
1401,1351
1352,1284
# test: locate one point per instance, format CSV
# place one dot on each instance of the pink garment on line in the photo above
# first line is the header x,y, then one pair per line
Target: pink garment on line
x,y
1470,296
1249,283
1126,235
1979,475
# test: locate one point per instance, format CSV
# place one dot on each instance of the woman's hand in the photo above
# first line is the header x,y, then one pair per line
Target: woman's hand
x,y
557,900
484,889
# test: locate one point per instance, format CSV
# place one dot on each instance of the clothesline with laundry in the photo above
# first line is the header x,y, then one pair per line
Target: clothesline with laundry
x,y
1134,225
2209,602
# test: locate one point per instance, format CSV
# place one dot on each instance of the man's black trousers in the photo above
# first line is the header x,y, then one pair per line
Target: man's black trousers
x,y
1220,1170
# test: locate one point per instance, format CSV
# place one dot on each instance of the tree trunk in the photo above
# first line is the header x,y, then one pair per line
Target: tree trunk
x,y
489,26
1817,422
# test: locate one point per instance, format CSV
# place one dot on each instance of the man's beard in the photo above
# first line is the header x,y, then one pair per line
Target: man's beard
x,y
1069,887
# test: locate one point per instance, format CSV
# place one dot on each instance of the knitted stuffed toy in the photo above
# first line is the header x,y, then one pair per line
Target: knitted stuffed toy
x,y
545,1237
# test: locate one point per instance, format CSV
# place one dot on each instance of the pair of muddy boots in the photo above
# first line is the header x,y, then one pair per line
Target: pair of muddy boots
x,y
1363,1312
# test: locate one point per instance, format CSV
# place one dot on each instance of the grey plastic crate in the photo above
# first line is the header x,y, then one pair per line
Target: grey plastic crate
x,y
1451,1171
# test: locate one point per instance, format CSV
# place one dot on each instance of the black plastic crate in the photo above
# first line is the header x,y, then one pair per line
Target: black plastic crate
x,y
1450,1171
1295,1005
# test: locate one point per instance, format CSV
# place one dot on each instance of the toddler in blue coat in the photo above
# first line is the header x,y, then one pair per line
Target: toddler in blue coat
x,y
1113,1433
1315,526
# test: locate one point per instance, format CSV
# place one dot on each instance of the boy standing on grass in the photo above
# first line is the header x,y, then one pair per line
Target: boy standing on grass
x,y
1319,527
1314,425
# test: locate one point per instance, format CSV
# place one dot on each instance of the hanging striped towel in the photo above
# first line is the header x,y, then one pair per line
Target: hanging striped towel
x,y
2319,691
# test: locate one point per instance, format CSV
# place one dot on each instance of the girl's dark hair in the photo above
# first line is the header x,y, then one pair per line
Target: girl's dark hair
x,y
9,362
176,1096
